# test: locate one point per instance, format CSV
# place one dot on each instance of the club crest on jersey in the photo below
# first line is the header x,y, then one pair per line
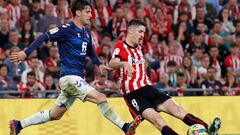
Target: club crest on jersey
x,y
136,61
79,35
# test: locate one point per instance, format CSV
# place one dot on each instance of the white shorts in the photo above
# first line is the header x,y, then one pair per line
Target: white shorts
x,y
72,87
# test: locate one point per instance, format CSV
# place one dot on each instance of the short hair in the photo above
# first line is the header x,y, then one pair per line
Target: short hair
x,y
136,22
31,74
171,63
180,74
234,45
211,67
79,5
213,46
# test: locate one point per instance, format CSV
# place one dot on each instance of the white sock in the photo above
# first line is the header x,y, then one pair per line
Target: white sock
x,y
35,119
110,114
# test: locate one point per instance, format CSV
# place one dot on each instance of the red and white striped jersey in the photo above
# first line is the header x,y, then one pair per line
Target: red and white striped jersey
x,y
233,62
135,57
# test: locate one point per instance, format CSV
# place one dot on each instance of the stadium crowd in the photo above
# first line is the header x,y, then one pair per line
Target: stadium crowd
x,y
188,44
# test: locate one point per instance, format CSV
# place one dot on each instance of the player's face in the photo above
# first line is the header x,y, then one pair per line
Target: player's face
x,y
86,15
138,34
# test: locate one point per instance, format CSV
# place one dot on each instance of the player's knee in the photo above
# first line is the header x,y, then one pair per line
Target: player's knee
x,y
101,98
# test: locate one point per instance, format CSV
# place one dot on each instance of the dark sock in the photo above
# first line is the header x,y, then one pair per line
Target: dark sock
x,y
190,120
125,127
19,125
166,130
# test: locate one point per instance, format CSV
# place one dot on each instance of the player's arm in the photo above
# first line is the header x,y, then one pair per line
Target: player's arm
x,y
116,63
22,55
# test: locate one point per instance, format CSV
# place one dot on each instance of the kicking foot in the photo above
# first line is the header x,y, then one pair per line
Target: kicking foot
x,y
214,127
133,125
15,127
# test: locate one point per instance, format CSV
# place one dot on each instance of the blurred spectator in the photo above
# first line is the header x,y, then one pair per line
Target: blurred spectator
x,y
15,69
172,56
181,85
218,37
233,9
48,19
172,73
232,62
2,6
203,32
227,24
201,17
202,71
163,82
189,71
104,85
63,11
217,61
117,26
151,72
34,67
13,10
52,63
31,88
101,15
13,40
128,10
182,34
105,52
209,9
140,14
27,33
197,56
4,32
211,86
230,85
160,24
50,85
6,82
36,12
24,17
154,52
197,41
185,6
152,6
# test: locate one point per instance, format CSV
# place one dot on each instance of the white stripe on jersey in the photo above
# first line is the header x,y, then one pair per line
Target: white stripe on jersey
x,y
127,89
135,86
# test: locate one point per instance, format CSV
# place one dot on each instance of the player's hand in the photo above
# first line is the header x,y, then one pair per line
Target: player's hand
x,y
128,68
18,56
103,67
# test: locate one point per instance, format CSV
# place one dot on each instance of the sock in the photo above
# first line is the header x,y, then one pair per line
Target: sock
x,y
190,120
125,127
110,114
166,130
35,119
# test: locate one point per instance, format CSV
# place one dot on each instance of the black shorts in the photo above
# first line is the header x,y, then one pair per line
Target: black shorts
x,y
143,98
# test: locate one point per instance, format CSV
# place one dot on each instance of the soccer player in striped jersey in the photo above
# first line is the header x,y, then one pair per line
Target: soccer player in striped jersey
x,y
140,96
74,44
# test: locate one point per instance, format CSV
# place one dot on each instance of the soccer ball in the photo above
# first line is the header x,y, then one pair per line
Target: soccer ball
x,y
197,129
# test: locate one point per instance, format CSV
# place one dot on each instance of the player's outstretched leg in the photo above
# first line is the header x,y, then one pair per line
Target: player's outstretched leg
x,y
40,117
109,113
214,127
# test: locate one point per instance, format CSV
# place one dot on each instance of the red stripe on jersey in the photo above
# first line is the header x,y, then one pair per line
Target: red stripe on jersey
x,y
131,88
140,69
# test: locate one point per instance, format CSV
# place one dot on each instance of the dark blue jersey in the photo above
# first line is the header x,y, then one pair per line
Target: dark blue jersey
x,y
74,44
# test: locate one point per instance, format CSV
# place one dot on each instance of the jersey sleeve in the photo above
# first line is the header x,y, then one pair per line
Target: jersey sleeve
x,y
58,33
118,51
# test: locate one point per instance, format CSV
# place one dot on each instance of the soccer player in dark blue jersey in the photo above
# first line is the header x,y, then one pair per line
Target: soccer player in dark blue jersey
x,y
74,44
